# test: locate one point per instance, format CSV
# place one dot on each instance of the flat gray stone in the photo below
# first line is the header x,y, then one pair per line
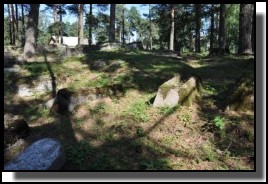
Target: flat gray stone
x,y
44,154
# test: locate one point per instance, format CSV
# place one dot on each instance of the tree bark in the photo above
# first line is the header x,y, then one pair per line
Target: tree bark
x,y
61,27
90,25
123,24
171,41
197,28
112,23
80,24
244,43
13,26
17,22
212,26
253,29
222,38
31,31
150,22
23,25
10,24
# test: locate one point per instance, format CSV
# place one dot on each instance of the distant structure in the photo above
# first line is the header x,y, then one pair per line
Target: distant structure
x,y
70,41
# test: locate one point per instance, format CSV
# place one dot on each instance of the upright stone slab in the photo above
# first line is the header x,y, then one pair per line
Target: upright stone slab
x,y
45,154
167,94
174,92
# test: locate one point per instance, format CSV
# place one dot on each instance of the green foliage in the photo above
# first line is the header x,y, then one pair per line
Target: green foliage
x,y
78,153
138,111
186,118
157,164
102,81
36,69
140,131
169,110
219,122
209,153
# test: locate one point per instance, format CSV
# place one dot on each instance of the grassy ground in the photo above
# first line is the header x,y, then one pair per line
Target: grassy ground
x,y
126,132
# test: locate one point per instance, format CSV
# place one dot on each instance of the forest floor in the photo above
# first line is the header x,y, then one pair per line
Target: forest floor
x,y
126,132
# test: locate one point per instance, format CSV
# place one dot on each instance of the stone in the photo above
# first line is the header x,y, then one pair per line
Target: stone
x,y
113,67
8,70
135,45
44,154
40,86
49,103
15,128
98,65
167,94
110,46
174,92
240,96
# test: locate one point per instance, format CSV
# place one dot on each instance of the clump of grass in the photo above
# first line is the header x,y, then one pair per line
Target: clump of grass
x,y
219,123
79,122
138,111
36,69
78,153
169,110
157,164
140,131
209,153
103,81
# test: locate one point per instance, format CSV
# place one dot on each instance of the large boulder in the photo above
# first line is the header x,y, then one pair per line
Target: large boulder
x,y
38,86
174,92
16,128
66,99
44,154
134,45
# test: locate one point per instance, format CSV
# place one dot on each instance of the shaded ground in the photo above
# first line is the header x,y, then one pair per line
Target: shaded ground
x,y
126,132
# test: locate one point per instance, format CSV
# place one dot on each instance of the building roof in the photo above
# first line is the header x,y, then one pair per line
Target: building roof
x,y
71,41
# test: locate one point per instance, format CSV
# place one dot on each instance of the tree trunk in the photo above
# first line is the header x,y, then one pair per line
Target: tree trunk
x,y
80,24
13,26
244,43
10,24
55,15
150,22
197,28
222,38
212,26
253,30
112,23
123,24
171,41
90,25
31,31
61,27
17,23
23,25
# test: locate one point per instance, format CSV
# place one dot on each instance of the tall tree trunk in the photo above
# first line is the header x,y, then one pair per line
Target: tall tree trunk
x,y
55,16
10,24
171,41
222,38
123,24
17,23
150,24
61,27
244,43
112,23
80,24
23,25
253,29
197,28
31,31
212,26
90,25
13,26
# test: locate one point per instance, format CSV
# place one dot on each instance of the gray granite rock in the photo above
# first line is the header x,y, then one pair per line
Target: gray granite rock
x,y
44,154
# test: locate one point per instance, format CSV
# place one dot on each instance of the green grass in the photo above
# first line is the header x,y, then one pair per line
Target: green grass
x,y
138,111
